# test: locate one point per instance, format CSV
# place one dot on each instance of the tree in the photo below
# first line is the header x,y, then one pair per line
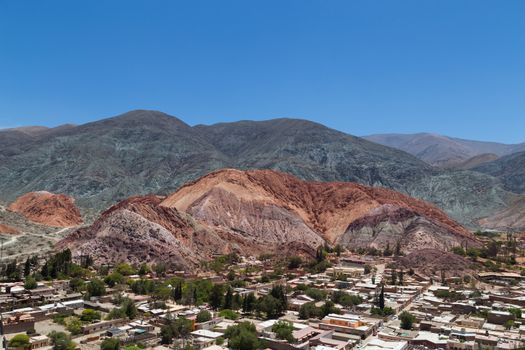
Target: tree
x,y
393,277
27,267
345,299
338,249
284,330
182,327
316,294
90,315
516,311
129,308
230,275
110,344
228,299
160,269
96,288
309,310
269,306
30,283
242,336
397,251
407,319
144,270
125,269
61,341
294,262
328,308
387,311
166,334
203,316
114,278
20,341
381,299
248,303
74,326
229,314
216,296
508,324
387,251
400,276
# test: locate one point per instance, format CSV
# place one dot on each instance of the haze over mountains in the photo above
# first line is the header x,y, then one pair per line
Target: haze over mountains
x,y
141,152
447,151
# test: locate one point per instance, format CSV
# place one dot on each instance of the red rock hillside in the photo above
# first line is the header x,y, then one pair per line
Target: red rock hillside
x,y
8,230
47,209
251,212
351,214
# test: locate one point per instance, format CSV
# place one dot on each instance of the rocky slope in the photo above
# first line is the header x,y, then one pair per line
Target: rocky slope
x,y
476,161
432,262
48,209
143,152
509,169
442,150
8,230
140,229
257,211
511,218
347,213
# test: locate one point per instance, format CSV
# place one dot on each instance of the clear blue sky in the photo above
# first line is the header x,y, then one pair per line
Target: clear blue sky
x,y
453,67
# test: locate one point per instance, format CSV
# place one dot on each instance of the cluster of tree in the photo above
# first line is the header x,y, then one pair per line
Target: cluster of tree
x,y
110,344
397,277
274,304
380,309
177,328
345,299
310,310
389,252
220,263
242,336
61,341
222,297
493,250
57,265
449,295
126,309
284,330
384,312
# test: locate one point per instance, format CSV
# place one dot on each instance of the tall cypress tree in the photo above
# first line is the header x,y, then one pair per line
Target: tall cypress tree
x,y
381,301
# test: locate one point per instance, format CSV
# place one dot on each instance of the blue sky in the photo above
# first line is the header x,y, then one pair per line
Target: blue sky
x,y
451,67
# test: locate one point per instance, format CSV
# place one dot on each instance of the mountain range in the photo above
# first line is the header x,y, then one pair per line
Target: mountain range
x,y
447,151
148,152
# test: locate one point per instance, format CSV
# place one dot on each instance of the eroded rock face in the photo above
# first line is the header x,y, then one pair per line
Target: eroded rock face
x,y
48,209
433,262
8,230
262,211
346,213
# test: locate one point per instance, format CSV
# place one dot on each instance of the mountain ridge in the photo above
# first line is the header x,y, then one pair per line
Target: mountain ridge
x,y
141,152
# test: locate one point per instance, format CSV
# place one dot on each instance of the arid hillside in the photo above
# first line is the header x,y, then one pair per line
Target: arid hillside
x,y
48,209
251,212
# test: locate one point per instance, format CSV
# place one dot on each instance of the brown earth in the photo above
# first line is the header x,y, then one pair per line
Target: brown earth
x,y
8,230
47,208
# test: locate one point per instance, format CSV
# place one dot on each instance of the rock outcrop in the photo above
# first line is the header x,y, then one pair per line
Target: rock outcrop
x,y
47,209
5,229
251,212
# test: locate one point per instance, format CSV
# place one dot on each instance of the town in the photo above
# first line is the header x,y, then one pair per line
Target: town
x,y
340,300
